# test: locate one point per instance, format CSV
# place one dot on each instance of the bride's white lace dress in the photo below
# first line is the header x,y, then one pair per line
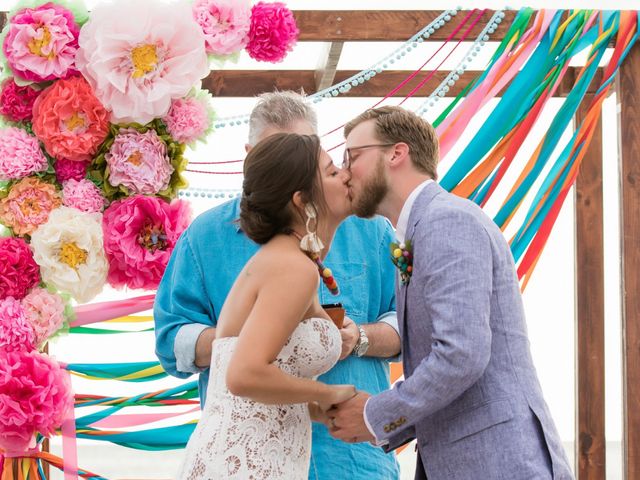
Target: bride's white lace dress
x,y
237,438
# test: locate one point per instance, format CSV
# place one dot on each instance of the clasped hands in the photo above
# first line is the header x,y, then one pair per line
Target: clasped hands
x,y
345,420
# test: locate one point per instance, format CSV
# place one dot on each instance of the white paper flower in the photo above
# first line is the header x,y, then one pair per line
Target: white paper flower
x,y
68,248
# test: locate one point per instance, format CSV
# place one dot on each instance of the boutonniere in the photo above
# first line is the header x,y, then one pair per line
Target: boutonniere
x,y
402,258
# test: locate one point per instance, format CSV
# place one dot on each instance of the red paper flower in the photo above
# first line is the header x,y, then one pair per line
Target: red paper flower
x,y
19,272
16,102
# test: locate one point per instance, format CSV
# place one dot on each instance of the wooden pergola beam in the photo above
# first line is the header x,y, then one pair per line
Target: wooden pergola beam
x,y
328,65
590,451
249,83
387,25
381,25
628,88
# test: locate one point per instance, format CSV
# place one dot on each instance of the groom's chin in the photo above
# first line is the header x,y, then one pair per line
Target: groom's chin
x,y
364,211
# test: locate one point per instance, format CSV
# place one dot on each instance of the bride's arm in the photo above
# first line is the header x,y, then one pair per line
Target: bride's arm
x,y
280,305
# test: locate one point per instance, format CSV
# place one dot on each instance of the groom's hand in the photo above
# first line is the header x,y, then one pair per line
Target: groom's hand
x,y
350,336
347,420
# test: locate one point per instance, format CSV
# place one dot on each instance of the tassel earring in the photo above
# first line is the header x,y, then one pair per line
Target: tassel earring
x,y
310,242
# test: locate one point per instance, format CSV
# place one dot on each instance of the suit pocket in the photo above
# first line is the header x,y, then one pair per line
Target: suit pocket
x,y
477,419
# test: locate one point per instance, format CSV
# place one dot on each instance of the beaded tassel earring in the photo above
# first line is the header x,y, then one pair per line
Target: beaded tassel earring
x,y
310,242
312,246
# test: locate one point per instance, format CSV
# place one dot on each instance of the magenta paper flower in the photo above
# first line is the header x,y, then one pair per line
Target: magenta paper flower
x,y
28,205
139,162
190,119
20,154
41,43
70,120
225,24
45,313
140,55
70,169
35,396
273,32
139,235
16,334
16,102
83,195
19,272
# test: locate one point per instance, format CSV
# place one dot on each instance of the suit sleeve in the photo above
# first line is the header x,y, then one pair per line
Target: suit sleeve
x,y
181,310
453,271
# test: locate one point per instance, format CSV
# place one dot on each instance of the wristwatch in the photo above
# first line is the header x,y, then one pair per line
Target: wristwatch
x,y
362,345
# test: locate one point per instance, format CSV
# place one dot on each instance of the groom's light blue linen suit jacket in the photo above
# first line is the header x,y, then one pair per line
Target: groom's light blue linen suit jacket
x,y
471,395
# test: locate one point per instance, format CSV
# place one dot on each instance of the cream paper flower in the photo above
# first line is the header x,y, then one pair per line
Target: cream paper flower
x,y
68,248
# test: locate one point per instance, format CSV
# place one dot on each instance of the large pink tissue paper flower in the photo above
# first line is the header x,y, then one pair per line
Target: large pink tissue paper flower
x,y
20,154
44,312
225,24
273,32
70,169
19,271
139,161
16,102
139,235
16,333
189,119
41,43
83,195
138,61
35,396
70,120
28,205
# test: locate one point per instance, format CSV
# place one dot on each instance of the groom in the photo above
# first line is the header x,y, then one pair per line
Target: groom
x,y
470,396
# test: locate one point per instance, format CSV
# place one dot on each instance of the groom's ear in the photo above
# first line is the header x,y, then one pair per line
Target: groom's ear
x,y
400,155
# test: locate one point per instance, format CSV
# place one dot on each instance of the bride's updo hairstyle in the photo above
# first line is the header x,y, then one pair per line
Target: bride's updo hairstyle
x,y
274,170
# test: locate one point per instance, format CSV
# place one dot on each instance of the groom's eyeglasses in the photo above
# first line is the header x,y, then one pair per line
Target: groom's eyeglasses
x,y
348,159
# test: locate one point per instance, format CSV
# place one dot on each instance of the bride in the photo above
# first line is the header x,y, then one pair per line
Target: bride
x,y
273,338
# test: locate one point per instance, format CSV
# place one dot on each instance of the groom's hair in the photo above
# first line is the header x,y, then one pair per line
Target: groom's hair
x,y
395,124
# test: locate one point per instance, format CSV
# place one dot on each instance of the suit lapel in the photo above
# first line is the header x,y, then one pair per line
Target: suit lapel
x,y
417,212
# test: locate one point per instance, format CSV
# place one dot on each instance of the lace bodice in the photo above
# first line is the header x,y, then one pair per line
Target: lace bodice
x,y
238,438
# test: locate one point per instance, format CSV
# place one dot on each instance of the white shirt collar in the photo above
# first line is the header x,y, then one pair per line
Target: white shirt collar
x,y
403,219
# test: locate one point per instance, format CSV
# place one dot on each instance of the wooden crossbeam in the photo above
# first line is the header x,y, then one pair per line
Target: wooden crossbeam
x,y
248,83
380,25
386,25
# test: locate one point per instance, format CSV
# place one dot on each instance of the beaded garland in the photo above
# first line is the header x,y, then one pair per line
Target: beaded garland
x,y
402,258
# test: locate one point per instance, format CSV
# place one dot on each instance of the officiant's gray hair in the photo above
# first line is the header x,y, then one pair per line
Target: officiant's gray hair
x,y
280,110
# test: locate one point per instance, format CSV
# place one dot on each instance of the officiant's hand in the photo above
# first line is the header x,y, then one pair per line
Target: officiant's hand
x,y
347,420
350,336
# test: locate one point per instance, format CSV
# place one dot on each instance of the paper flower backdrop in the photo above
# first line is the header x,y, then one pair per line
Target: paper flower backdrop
x,y
96,113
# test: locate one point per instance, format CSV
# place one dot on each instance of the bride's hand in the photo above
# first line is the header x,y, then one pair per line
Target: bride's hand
x,y
317,414
339,394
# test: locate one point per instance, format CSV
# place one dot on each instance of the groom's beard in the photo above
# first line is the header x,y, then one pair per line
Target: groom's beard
x,y
372,193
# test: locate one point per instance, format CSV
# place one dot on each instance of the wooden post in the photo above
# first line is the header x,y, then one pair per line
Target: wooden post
x,y
590,414
629,128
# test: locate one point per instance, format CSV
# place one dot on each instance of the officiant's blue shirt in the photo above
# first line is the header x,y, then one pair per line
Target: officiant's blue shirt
x,y
205,263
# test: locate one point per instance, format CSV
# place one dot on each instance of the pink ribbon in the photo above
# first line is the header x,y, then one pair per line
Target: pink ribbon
x,y
69,445
132,420
451,129
102,311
